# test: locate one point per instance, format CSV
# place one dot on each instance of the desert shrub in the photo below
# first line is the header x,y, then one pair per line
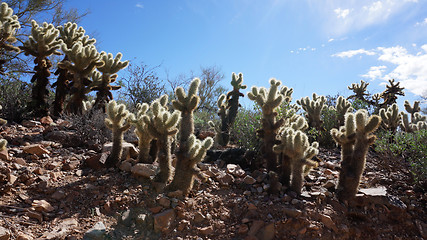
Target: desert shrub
x,y
201,119
360,104
14,96
90,126
410,146
243,132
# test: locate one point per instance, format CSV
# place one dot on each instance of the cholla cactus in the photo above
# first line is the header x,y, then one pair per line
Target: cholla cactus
x,y
419,123
69,33
228,106
389,95
355,137
268,100
117,121
191,151
359,90
41,44
82,61
313,109
111,66
141,130
412,109
295,145
390,117
9,24
161,125
342,107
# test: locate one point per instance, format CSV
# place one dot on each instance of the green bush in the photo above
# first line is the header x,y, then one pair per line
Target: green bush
x,y
14,96
243,132
410,146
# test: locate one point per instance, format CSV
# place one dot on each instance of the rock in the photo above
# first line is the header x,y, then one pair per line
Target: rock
x,y
97,232
35,215
23,236
61,230
126,166
70,165
36,149
378,191
39,171
4,233
243,229
52,165
267,233
198,217
256,226
176,194
225,178
329,184
67,139
46,120
165,202
4,155
249,180
251,206
295,201
292,212
206,230
126,219
144,170
12,178
30,123
96,162
20,161
422,228
42,206
129,150
328,222
235,170
58,194
163,220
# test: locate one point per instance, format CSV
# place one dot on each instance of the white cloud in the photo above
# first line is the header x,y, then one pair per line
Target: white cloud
x,y
423,23
351,53
139,5
342,13
331,39
375,72
403,66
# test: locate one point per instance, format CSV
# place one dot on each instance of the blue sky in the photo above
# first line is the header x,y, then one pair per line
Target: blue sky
x,y
317,46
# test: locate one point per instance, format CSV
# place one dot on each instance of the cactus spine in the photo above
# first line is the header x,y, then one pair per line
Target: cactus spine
x,y
295,145
41,44
268,100
111,66
355,137
117,121
390,117
191,150
9,24
313,109
162,126
228,106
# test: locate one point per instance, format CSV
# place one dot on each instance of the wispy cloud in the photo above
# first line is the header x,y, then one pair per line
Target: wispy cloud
x,y
139,5
352,53
408,68
342,13
422,23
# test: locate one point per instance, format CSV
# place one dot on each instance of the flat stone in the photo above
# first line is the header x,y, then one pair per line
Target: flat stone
x,y
206,230
198,217
292,212
249,180
243,229
97,232
327,221
267,233
329,184
377,191
165,202
70,165
235,170
36,149
96,162
4,233
129,150
4,155
30,123
20,161
42,206
163,220
46,120
23,236
125,166
144,170
225,178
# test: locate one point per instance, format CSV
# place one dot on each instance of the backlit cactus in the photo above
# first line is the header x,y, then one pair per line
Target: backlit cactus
x,y
313,109
295,146
9,24
161,125
412,109
359,90
41,44
268,100
141,131
342,107
419,123
103,87
355,137
117,121
390,117
82,60
191,151
228,106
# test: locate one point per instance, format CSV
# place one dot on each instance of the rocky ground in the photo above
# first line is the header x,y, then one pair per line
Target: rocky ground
x,y
51,188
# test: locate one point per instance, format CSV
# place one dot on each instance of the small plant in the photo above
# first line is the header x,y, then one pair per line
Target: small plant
x,y
117,121
228,106
355,137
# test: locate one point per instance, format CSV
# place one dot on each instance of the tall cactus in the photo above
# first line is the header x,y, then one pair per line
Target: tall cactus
x,y
142,132
9,24
191,150
342,107
162,126
117,121
313,109
111,66
390,117
295,145
69,34
41,44
355,137
268,100
228,106
359,91
83,58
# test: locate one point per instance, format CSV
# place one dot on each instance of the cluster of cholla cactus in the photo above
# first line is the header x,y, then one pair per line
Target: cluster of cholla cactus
x,y
9,24
390,117
417,122
342,107
313,109
42,43
228,106
355,137
117,121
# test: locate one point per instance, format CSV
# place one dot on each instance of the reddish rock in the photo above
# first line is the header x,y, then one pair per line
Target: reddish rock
x,y
23,236
267,233
256,226
4,233
96,162
243,229
249,180
156,209
4,155
36,149
328,222
163,220
42,206
70,165
144,170
206,230
46,120
20,161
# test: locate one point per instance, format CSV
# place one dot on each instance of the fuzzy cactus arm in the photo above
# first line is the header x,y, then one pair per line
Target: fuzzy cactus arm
x,y
9,24
390,117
